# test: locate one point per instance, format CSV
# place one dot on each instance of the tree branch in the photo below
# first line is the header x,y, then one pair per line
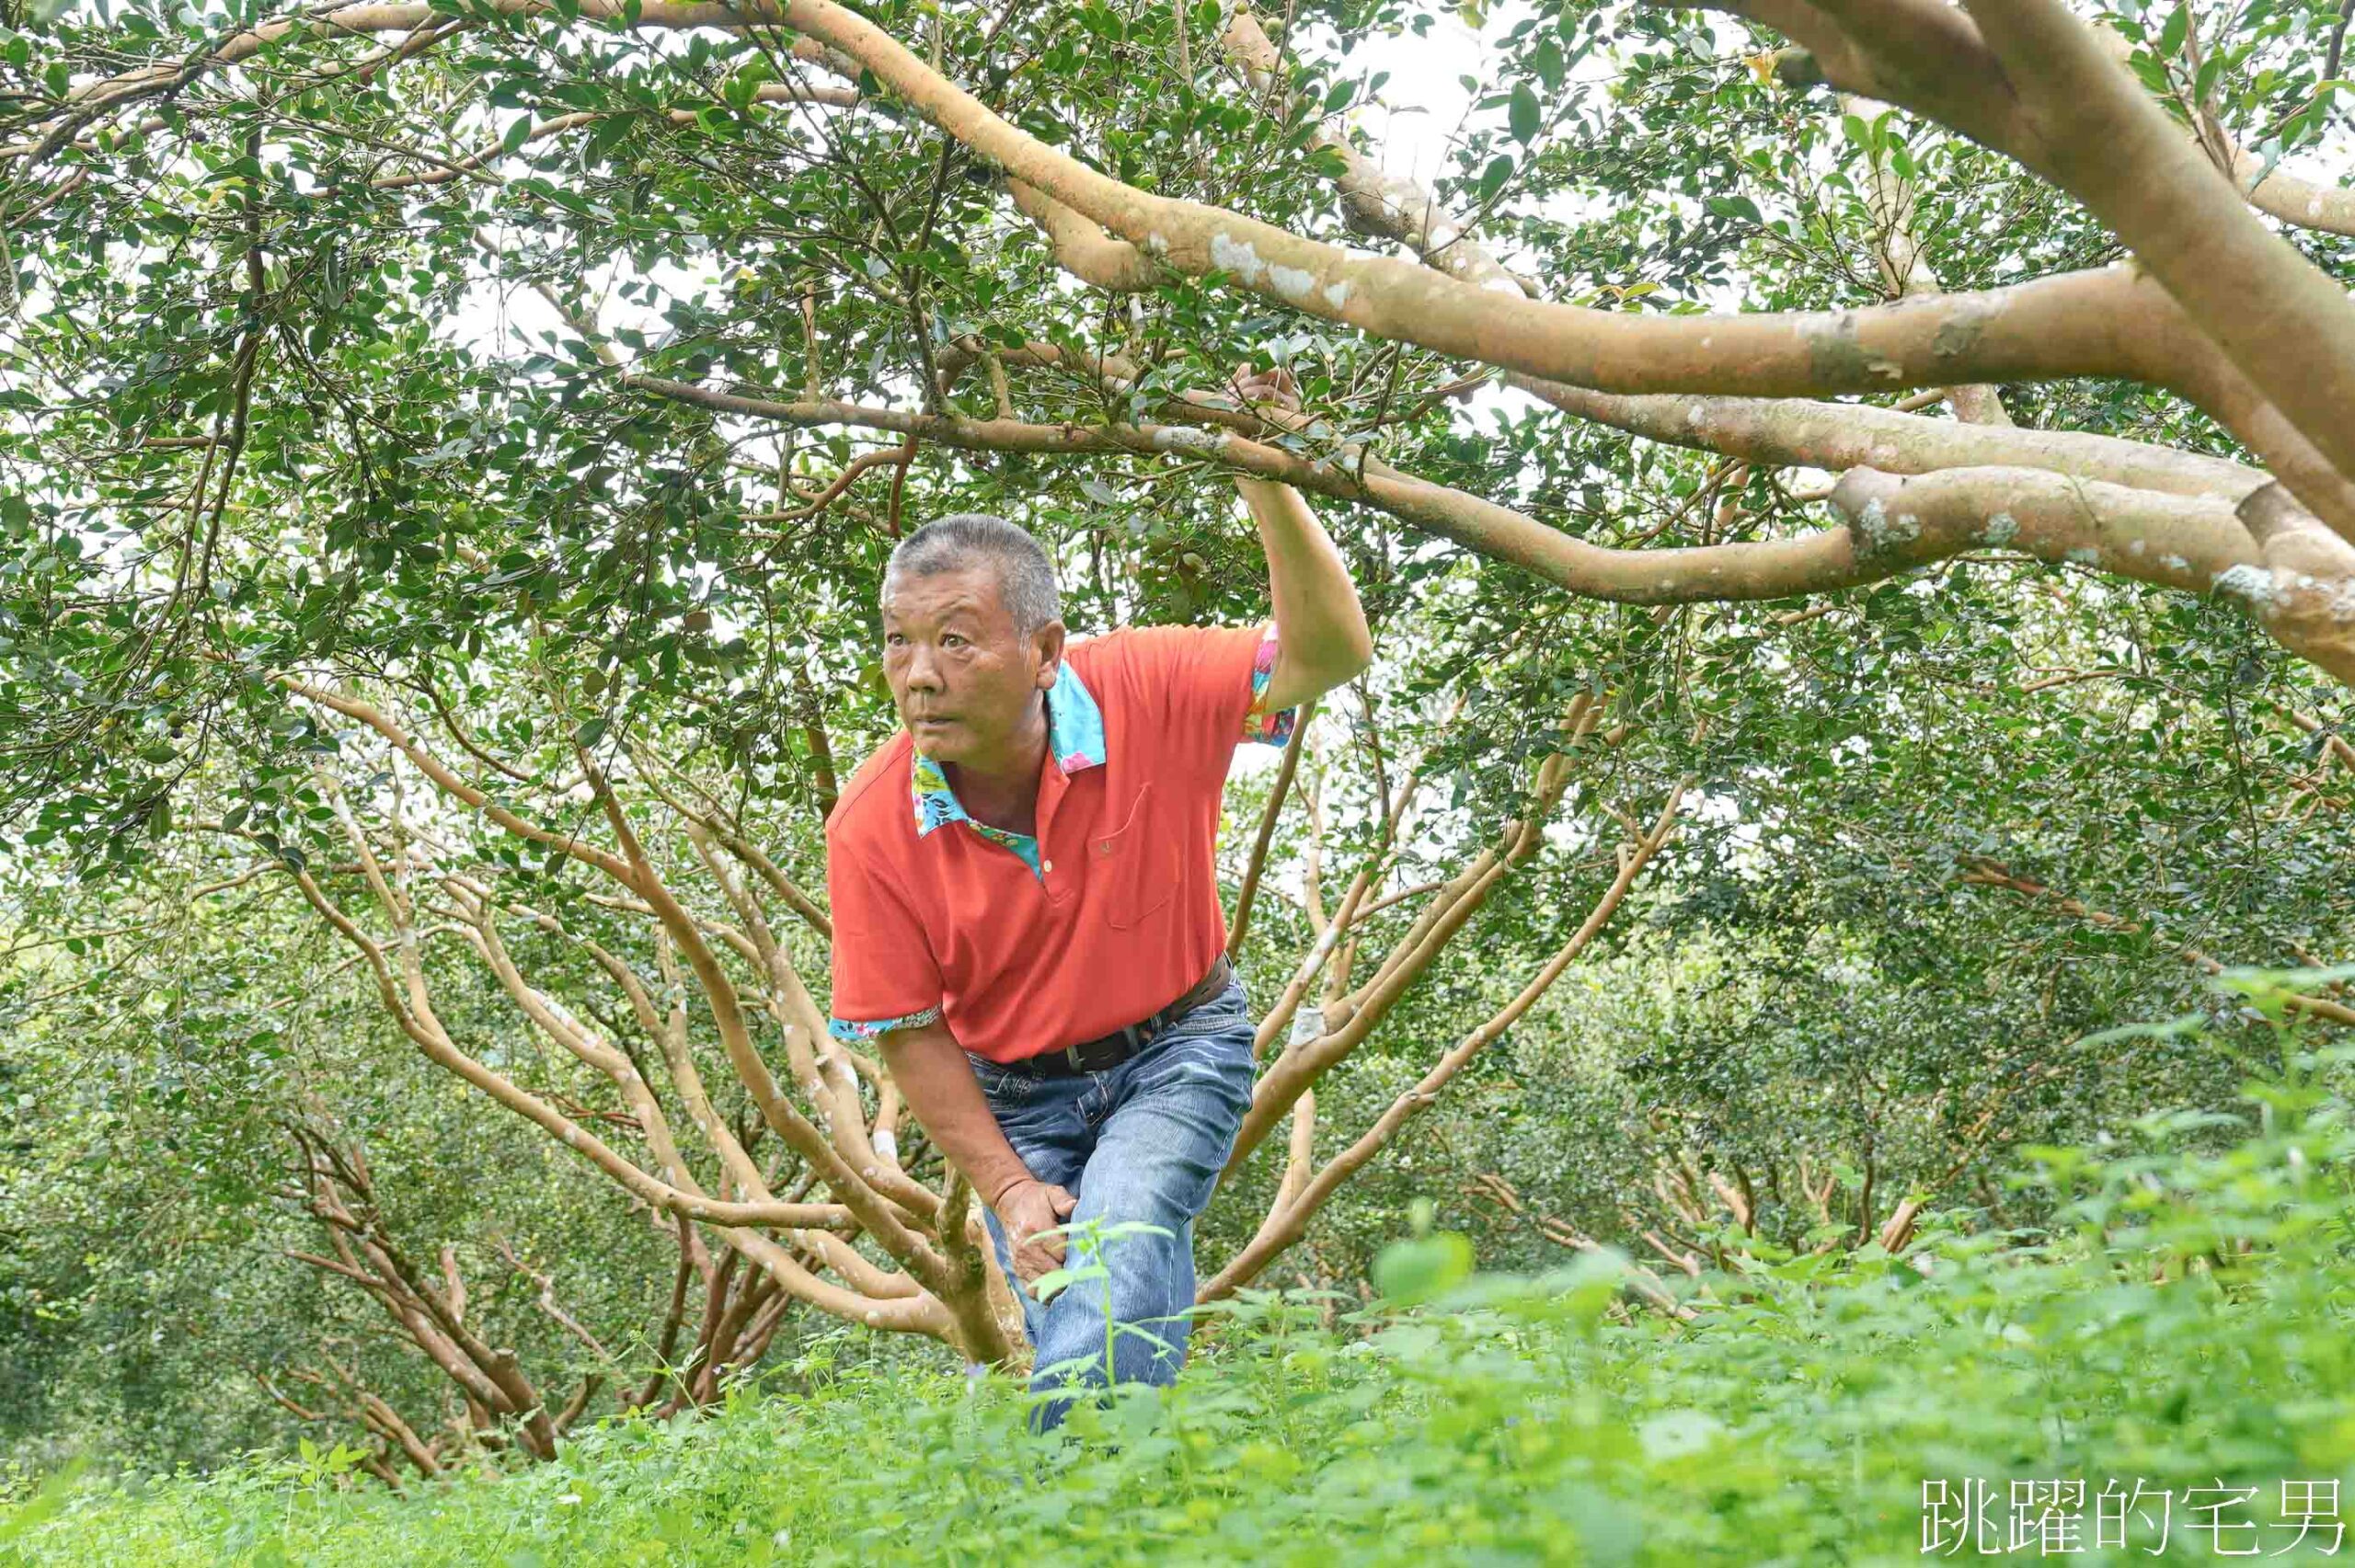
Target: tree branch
x,y
2286,324
1239,926
2047,516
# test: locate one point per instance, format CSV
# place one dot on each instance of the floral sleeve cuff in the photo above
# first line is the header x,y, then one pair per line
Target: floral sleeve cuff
x,y
849,1029
1258,724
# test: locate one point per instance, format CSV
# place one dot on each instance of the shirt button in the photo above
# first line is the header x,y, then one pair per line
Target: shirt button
x,y
1048,865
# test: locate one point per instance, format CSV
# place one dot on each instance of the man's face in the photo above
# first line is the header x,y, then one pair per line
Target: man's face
x,y
961,676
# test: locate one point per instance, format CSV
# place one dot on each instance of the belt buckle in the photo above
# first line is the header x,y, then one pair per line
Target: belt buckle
x,y
1071,1055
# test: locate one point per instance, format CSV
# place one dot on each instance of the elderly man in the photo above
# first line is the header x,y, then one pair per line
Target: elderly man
x,y
1027,915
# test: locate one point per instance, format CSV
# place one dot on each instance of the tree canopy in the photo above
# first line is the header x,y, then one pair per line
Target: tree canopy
x,y
1856,497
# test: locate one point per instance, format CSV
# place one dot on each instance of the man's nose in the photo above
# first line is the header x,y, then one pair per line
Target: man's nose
x,y
924,670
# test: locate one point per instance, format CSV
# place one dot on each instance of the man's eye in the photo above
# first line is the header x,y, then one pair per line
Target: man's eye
x,y
952,640
894,639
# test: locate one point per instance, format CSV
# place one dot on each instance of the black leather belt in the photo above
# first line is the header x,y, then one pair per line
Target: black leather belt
x,y
1104,1054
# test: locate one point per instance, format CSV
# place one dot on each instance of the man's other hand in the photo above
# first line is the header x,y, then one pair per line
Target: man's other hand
x,y
1026,1208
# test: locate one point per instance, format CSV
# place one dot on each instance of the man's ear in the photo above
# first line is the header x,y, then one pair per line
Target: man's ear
x,y
1047,642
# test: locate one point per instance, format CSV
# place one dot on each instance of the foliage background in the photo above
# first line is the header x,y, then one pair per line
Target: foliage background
x,y
440,483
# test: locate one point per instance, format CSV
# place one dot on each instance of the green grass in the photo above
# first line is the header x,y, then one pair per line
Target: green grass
x,y
1509,1420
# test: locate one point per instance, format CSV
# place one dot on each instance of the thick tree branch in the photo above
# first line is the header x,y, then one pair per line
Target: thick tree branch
x,y
2108,322
2287,326
2073,324
1081,248
1801,432
2188,543
2301,202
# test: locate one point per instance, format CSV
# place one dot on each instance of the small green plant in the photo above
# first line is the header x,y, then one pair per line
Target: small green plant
x,y
1087,1245
1426,1264
2184,1324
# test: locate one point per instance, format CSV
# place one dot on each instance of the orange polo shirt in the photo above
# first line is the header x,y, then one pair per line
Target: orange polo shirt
x,y
1111,912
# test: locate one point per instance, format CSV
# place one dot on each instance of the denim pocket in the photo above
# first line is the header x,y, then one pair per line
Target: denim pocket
x,y
1212,1043
1224,1013
1000,1085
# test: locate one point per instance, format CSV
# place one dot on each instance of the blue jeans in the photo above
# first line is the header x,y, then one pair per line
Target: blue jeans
x,y
1142,1142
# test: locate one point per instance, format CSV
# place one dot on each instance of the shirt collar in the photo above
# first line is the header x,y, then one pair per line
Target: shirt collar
x,y
1075,739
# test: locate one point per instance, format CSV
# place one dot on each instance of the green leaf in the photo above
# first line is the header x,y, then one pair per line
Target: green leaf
x,y
1047,1285
1493,178
2203,83
1524,114
2177,28
602,140
1546,60
741,89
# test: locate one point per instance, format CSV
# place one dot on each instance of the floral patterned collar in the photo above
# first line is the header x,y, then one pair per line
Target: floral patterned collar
x,y
1074,739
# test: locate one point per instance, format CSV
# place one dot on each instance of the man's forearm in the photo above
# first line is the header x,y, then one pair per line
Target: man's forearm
x,y
937,1083
1320,626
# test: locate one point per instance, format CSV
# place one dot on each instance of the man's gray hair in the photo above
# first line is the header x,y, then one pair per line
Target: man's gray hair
x,y
1026,579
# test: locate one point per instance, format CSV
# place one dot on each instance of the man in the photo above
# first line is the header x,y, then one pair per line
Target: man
x,y
1025,907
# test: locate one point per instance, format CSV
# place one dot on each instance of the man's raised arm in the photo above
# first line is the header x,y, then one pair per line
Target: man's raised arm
x,y
1321,636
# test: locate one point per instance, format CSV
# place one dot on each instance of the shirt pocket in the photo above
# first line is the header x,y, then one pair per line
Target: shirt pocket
x,y
1135,864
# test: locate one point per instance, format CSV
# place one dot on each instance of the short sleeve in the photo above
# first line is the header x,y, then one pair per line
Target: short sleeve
x,y
1209,684
885,974
1258,724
